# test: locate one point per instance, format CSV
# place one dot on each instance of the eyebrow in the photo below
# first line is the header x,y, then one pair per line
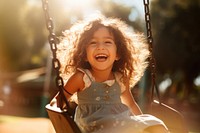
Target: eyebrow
x,y
110,38
106,37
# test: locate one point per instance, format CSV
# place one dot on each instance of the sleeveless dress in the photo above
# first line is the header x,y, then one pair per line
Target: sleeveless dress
x,y
100,110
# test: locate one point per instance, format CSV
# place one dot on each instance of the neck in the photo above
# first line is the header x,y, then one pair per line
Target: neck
x,y
101,76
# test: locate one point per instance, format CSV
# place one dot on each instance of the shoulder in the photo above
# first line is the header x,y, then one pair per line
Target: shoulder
x,y
75,81
77,76
81,77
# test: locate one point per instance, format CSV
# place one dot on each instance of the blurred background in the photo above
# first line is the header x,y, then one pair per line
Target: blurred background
x,y
27,81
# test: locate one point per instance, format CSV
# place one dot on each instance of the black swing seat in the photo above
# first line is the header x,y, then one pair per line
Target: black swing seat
x,y
62,121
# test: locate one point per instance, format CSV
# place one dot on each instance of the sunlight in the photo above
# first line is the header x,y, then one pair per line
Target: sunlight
x,y
197,81
78,5
165,84
30,75
34,2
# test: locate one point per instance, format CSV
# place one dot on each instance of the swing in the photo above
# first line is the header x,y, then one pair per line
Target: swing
x,y
171,117
61,112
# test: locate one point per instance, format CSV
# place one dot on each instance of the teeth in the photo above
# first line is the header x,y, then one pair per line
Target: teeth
x,y
101,56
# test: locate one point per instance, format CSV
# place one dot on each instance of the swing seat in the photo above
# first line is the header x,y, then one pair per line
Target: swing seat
x,y
62,121
171,117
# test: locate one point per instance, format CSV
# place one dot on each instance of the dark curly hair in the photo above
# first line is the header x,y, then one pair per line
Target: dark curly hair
x,y
131,47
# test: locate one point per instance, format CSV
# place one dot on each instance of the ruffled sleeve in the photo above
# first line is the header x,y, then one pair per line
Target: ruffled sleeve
x,y
87,78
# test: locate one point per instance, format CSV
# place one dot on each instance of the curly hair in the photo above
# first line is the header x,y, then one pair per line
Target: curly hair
x,y
131,47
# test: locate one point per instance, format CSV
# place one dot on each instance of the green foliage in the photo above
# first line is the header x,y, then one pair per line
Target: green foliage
x,y
176,26
22,35
23,32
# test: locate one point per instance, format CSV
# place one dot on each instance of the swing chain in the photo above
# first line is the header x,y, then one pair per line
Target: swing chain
x,y
150,42
53,41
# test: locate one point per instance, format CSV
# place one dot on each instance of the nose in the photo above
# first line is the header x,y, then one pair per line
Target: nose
x,y
100,46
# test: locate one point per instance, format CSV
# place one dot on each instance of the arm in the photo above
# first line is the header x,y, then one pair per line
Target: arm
x,y
74,84
128,99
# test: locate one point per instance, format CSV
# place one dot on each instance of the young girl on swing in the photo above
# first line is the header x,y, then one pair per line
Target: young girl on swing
x,y
104,58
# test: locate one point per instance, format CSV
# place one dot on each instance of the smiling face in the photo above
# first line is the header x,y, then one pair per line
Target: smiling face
x,y
101,50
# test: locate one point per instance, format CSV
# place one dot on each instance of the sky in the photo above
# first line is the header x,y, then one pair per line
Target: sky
x,y
84,3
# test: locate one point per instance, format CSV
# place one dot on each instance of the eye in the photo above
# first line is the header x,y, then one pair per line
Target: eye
x,y
93,42
108,42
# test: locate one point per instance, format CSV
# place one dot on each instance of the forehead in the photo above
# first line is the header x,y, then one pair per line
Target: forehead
x,y
103,32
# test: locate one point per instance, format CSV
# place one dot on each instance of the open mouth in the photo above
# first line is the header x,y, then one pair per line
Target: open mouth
x,y
101,57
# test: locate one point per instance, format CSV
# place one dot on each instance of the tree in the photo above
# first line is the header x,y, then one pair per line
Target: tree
x,y
22,36
23,32
177,48
64,16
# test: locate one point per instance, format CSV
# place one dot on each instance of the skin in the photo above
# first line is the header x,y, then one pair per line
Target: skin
x,y
102,45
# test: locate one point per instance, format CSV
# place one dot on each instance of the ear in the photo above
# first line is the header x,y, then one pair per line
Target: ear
x,y
117,57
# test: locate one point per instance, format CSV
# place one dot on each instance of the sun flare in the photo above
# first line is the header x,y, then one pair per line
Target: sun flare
x,y
78,5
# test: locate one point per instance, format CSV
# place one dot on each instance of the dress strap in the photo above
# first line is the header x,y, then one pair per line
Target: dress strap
x,y
118,79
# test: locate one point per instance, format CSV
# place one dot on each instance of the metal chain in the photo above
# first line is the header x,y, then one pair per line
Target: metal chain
x,y
150,42
53,41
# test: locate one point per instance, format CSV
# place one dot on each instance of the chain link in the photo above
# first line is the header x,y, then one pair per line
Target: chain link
x,y
150,42
53,41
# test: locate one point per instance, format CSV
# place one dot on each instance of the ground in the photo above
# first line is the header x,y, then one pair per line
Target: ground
x,y
13,124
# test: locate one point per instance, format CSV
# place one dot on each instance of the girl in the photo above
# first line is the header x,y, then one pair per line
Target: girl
x,y
104,59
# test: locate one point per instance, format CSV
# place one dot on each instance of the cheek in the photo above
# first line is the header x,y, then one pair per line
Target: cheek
x,y
88,54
